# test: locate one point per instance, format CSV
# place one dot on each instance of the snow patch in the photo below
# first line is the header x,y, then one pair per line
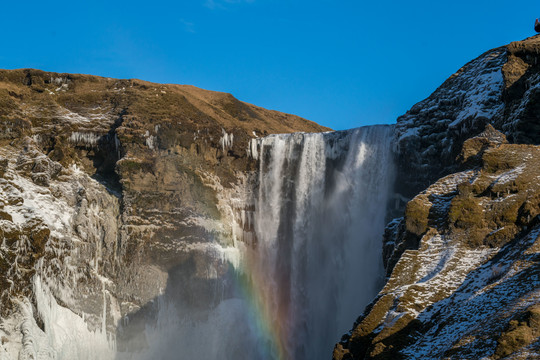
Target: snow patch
x,y
37,202
409,133
510,175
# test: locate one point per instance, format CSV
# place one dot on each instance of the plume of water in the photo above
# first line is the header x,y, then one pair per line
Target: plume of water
x,y
319,218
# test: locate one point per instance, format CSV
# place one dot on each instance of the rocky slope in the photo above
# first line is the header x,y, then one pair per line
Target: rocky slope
x,y
112,193
463,262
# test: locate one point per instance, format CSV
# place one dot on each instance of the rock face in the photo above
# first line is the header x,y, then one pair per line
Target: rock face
x,y
501,87
112,193
462,264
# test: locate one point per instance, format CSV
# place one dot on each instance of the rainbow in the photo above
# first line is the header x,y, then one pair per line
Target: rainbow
x,y
267,319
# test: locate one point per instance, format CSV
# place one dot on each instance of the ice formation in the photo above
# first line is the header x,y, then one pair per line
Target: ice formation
x,y
226,140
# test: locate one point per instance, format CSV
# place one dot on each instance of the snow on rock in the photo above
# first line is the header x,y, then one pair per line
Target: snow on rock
x,y
510,175
151,140
409,133
474,90
430,134
481,97
61,226
37,202
89,120
472,312
70,116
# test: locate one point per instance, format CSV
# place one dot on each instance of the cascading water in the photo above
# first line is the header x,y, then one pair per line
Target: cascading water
x,y
319,218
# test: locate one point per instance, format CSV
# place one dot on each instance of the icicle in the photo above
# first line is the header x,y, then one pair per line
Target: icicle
x,y
226,140
88,139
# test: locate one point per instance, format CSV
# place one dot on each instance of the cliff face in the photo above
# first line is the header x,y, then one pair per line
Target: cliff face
x,y
500,88
113,192
463,262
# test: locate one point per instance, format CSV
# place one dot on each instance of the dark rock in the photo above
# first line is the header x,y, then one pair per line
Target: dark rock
x,y
3,166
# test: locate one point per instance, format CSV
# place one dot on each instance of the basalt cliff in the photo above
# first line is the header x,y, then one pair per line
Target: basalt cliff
x,y
145,221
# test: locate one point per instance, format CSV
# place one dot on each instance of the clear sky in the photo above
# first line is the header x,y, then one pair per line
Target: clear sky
x,y
341,63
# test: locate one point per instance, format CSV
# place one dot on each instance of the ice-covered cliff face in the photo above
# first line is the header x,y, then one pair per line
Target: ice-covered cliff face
x,y
58,242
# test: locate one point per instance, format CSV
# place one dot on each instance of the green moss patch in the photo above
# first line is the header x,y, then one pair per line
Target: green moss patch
x,y
520,332
465,212
416,216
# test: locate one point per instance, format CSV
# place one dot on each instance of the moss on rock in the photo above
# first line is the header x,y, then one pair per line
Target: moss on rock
x,y
416,215
520,332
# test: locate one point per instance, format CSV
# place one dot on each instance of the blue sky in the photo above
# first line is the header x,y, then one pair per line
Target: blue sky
x,y
341,63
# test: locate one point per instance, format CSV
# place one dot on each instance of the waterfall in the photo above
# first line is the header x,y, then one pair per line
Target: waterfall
x,y
319,217
309,260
